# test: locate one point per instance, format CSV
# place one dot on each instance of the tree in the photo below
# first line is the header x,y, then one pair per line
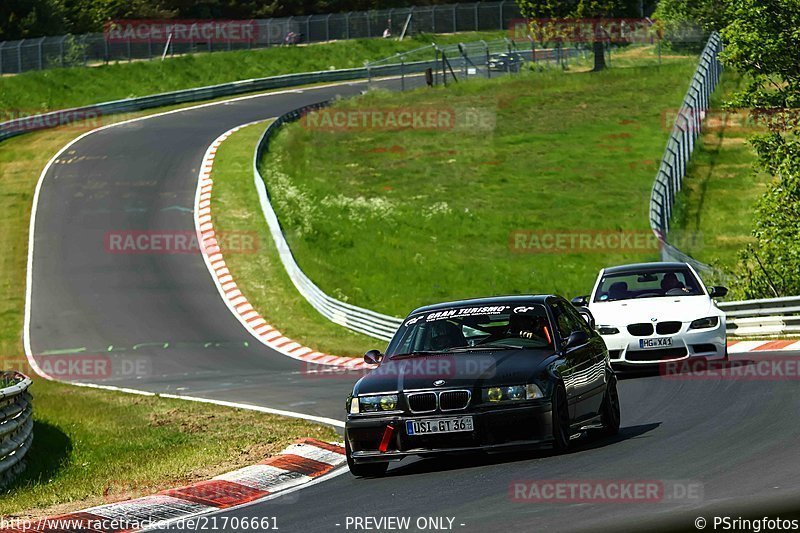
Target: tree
x,y
598,10
21,19
687,23
762,39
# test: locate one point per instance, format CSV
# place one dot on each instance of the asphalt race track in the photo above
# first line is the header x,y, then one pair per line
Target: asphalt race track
x,y
729,440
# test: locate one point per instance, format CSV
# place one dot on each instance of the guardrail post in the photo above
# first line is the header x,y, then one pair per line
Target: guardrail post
x,y
41,59
19,56
488,58
2,44
347,24
501,14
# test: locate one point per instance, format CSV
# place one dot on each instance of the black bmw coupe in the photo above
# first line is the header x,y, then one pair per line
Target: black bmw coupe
x,y
487,374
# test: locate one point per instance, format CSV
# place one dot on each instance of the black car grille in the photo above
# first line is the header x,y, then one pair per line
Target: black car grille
x,y
640,330
423,402
453,400
655,355
667,328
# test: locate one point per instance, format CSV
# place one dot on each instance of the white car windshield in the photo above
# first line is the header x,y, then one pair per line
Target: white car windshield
x,y
647,283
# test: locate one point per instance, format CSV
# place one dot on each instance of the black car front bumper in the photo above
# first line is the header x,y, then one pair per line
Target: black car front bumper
x,y
496,429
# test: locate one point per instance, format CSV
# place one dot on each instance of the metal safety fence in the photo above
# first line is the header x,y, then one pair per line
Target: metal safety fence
x,y
97,48
16,424
350,316
476,58
773,317
681,144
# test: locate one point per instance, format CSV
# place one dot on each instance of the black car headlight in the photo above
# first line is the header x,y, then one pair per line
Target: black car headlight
x,y
607,330
704,323
512,393
373,404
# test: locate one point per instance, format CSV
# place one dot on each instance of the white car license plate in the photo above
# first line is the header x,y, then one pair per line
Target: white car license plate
x,y
439,425
665,342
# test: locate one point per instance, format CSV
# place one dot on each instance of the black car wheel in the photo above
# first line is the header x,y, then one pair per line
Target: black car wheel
x,y
561,430
609,411
365,469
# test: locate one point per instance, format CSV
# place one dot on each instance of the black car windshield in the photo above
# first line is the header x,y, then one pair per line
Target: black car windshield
x,y
647,283
465,329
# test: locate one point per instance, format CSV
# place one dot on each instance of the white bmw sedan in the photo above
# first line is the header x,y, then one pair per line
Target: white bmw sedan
x,y
655,313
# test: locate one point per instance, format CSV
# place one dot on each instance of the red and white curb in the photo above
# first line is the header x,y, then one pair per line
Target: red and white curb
x,y
298,464
226,285
763,346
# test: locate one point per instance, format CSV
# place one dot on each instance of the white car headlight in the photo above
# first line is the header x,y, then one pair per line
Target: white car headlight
x,y
607,330
704,323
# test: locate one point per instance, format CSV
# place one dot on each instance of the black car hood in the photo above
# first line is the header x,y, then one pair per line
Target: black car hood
x,y
460,369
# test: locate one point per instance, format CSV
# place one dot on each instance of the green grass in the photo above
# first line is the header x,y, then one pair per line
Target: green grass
x,y
93,446
261,276
721,187
77,86
394,219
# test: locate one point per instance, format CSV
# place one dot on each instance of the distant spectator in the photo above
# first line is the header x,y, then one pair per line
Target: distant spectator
x,y
387,33
291,38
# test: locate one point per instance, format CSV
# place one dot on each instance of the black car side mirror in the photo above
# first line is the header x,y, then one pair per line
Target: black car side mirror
x,y
576,339
580,301
373,357
718,292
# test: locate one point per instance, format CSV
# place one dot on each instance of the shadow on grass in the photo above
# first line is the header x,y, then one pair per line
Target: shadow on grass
x,y
46,457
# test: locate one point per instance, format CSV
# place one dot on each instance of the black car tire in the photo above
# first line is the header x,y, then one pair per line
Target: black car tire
x,y
609,410
561,421
364,469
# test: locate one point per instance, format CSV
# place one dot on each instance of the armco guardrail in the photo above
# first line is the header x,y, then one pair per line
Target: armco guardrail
x,y
16,424
771,317
66,116
680,146
350,316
